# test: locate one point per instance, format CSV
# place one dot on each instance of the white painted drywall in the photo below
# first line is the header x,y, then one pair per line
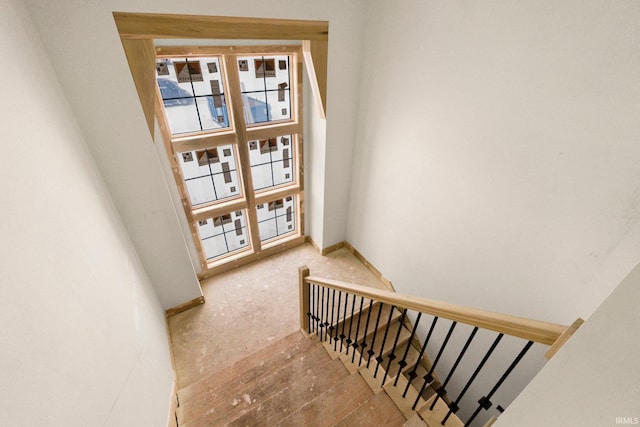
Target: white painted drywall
x,y
594,380
85,50
88,58
84,340
496,161
497,152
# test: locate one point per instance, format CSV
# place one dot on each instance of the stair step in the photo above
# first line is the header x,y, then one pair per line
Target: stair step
x,y
417,382
388,344
415,421
338,312
434,417
259,363
378,410
333,405
231,399
285,401
403,342
362,321
410,361
404,404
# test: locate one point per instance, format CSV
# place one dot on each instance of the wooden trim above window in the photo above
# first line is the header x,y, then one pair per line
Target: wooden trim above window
x,y
159,26
141,56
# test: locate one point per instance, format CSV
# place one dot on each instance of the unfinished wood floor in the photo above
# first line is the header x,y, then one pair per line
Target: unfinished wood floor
x,y
251,307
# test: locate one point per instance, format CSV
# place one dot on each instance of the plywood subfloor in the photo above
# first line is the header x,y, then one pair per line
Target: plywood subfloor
x,y
251,307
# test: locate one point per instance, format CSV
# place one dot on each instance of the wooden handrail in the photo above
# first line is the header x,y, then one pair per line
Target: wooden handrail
x,y
532,330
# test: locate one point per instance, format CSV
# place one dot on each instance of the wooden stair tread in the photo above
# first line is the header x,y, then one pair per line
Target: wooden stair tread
x,y
435,417
291,398
332,405
378,410
388,344
412,358
338,312
233,398
415,421
257,363
404,404
216,392
362,321
402,344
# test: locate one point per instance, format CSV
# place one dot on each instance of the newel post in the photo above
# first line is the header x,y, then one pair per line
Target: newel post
x,y
303,272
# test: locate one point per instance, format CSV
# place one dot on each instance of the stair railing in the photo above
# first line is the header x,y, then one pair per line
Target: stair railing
x,y
328,309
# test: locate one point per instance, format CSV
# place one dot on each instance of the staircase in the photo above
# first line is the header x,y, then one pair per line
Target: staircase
x,y
355,363
301,381
292,382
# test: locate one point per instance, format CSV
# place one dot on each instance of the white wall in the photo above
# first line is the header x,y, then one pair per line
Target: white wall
x,y
594,379
83,341
496,158
514,183
85,50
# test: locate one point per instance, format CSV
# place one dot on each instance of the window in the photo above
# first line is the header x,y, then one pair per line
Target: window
x,y
233,120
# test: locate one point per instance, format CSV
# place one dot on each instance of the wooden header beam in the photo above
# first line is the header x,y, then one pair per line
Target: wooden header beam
x,y
162,26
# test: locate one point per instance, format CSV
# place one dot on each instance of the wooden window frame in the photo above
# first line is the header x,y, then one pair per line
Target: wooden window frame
x,y
239,135
137,32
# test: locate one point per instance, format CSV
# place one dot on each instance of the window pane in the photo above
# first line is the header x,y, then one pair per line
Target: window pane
x,y
200,190
256,109
265,83
271,161
193,94
223,234
276,218
210,174
278,105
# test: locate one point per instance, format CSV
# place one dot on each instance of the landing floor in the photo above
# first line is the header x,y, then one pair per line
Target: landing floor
x,y
248,308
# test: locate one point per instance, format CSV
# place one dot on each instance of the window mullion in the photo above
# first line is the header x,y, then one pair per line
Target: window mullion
x,y
217,210
202,142
235,98
268,131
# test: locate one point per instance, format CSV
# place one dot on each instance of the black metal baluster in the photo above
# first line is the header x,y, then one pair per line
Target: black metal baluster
x,y
428,379
317,307
312,314
344,320
453,407
326,317
353,306
485,401
363,344
333,309
371,352
335,337
441,391
392,355
379,359
355,341
412,373
402,363
321,325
